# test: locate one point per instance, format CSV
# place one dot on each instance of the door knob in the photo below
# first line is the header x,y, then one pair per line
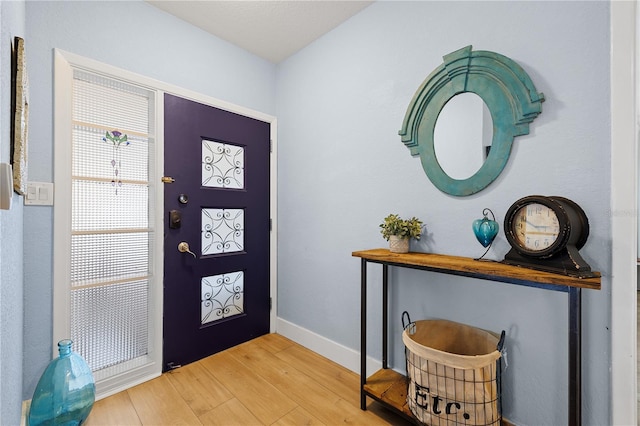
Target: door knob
x,y
183,247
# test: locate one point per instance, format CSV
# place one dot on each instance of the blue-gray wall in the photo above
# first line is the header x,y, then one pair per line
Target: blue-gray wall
x,y
12,19
342,168
136,37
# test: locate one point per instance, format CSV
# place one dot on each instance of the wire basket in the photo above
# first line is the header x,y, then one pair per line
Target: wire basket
x,y
454,372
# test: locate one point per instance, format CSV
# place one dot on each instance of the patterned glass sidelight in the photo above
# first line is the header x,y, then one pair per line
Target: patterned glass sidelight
x,y
111,226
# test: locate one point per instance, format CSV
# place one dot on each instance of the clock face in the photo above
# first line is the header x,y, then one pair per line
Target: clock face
x,y
545,233
536,227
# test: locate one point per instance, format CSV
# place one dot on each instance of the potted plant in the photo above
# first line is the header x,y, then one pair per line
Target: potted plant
x,y
398,231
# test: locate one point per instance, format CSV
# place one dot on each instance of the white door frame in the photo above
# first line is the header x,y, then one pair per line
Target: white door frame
x,y
624,213
64,62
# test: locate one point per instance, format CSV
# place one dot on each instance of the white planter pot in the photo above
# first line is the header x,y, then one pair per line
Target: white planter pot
x,y
398,244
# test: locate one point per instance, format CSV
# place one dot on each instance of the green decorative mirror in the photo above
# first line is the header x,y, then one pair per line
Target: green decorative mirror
x,y
507,92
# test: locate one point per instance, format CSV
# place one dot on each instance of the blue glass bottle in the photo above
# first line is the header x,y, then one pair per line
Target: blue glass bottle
x,y
66,391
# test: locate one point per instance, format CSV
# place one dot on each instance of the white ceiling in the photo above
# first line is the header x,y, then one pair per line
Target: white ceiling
x,y
271,29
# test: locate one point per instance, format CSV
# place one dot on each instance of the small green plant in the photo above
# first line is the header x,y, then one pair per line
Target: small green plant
x,y
395,225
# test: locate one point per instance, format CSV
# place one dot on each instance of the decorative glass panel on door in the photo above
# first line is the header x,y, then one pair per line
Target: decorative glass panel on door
x,y
222,165
222,231
222,296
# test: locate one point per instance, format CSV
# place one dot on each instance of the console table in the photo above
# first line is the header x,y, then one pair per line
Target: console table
x,y
390,388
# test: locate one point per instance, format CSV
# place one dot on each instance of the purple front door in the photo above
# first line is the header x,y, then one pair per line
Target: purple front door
x,y
216,236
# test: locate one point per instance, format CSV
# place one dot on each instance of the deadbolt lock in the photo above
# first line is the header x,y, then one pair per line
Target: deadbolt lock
x,y
175,219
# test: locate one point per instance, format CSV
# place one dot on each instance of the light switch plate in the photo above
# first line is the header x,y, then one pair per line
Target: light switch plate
x,y
39,194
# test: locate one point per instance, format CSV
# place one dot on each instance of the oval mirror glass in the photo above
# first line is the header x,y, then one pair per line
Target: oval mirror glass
x,y
462,135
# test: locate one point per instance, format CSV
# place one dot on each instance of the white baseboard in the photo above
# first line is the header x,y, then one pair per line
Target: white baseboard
x,y
340,354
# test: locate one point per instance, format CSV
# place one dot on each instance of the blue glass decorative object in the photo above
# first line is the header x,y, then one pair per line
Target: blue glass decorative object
x,y
485,230
66,391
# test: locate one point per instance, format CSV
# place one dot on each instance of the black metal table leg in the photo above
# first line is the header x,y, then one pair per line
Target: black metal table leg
x,y
363,333
575,351
385,316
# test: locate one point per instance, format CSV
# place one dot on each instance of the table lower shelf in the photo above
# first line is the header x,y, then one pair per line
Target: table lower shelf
x,y
390,388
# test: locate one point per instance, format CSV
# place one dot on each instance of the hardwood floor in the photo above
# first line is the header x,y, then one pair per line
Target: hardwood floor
x,y
270,380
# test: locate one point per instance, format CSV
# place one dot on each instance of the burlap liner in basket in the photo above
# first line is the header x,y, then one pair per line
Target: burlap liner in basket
x,y
452,372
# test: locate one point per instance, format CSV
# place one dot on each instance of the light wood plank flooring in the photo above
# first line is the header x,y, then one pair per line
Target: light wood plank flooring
x,y
267,381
